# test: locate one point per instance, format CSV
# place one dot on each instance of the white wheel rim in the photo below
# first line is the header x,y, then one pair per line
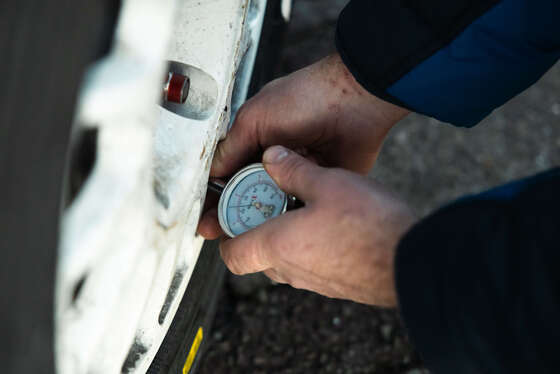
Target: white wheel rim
x,y
136,251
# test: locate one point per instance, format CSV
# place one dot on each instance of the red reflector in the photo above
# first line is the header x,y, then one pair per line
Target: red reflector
x,y
176,89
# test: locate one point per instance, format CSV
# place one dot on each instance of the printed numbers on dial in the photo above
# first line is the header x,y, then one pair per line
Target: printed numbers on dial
x,y
250,199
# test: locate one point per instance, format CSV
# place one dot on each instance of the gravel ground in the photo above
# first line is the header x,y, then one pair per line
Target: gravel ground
x,y
263,328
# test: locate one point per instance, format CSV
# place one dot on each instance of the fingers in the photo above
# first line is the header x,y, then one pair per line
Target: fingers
x,y
256,250
246,254
275,276
293,173
208,226
237,148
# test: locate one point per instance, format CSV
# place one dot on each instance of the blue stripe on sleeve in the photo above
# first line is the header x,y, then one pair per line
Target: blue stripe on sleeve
x,y
499,55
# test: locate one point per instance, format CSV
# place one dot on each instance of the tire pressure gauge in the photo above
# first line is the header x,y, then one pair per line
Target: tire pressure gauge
x,y
250,199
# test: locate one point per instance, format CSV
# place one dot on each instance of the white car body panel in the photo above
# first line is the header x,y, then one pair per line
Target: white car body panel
x,y
128,244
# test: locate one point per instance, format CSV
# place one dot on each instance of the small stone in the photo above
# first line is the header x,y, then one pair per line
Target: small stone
x,y
259,361
241,358
225,346
402,137
277,360
262,296
418,371
386,331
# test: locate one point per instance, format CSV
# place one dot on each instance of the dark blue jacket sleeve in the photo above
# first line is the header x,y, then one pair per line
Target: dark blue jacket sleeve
x,y
455,61
479,281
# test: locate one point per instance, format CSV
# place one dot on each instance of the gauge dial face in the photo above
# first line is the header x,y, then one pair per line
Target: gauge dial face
x,y
249,200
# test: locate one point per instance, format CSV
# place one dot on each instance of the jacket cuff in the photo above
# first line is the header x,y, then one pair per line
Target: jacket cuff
x,y
456,64
471,276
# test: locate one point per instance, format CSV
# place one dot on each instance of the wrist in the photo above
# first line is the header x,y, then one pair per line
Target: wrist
x,y
397,226
382,112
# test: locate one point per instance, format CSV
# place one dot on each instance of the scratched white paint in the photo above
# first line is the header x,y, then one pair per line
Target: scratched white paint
x,y
132,227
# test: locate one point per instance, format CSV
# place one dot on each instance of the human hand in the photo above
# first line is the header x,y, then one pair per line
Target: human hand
x,y
320,111
341,244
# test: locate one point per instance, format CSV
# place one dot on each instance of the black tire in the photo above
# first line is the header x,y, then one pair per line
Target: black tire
x,y
45,50
198,306
196,311
270,47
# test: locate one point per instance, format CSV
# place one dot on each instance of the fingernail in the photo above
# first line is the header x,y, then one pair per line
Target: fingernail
x,y
275,154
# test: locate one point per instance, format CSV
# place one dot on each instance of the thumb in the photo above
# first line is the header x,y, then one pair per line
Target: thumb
x,y
293,173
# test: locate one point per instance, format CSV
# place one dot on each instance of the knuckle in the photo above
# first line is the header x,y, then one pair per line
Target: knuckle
x,y
247,121
340,184
236,266
249,112
350,217
243,260
336,177
298,284
254,258
355,215
279,277
228,260
234,270
243,114
244,119
231,261
294,170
